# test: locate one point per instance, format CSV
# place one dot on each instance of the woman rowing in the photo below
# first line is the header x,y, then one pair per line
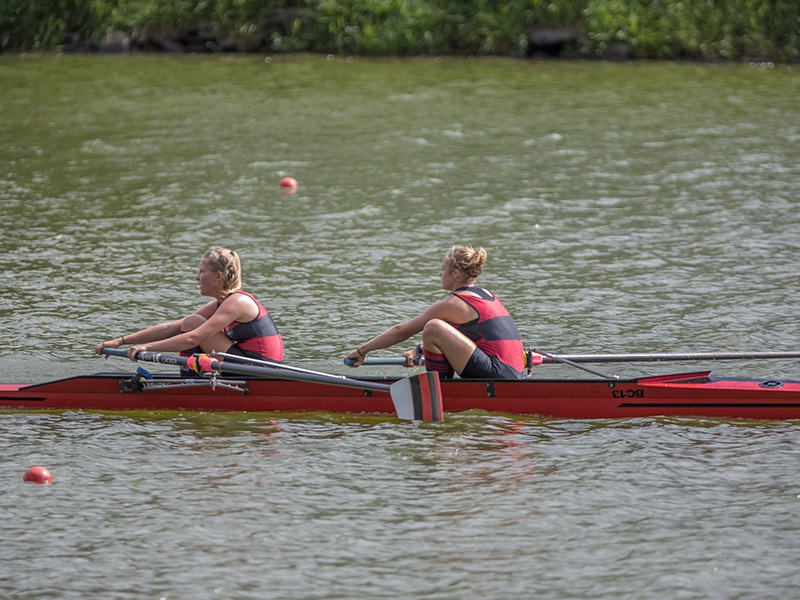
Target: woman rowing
x,y
234,322
468,332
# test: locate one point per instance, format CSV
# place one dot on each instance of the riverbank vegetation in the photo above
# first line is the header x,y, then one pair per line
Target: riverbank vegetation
x,y
624,29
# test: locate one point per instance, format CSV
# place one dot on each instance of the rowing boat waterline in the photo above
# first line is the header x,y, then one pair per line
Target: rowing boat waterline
x,y
691,394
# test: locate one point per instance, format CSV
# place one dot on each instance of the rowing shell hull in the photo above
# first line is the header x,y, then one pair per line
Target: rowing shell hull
x,y
687,394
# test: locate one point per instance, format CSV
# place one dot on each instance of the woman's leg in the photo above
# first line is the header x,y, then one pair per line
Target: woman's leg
x,y
218,341
447,347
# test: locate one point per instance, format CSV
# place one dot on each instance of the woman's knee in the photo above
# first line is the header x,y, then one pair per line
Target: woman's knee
x,y
436,327
440,334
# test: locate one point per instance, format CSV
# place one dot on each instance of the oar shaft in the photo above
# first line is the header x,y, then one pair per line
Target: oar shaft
x,y
689,356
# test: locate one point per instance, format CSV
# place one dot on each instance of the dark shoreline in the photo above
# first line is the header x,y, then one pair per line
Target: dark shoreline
x,y
734,31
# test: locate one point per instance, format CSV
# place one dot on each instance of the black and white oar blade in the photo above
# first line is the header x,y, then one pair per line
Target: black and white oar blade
x,y
418,398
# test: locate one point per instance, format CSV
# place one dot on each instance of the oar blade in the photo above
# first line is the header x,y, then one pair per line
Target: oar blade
x,y
418,398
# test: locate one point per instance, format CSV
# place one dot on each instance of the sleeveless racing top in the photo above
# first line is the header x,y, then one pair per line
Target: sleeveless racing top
x,y
493,331
258,338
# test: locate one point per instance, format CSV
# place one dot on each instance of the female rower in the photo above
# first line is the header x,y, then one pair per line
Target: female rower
x,y
234,322
469,331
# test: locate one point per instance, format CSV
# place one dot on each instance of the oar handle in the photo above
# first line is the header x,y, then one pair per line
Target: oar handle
x,y
114,352
383,360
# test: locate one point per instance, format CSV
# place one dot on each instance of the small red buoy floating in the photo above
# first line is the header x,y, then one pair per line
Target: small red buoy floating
x,y
38,475
289,185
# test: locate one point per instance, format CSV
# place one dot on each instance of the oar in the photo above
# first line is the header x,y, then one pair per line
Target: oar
x,y
273,365
415,398
540,357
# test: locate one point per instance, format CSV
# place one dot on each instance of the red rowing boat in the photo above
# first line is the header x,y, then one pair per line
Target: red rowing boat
x,y
695,394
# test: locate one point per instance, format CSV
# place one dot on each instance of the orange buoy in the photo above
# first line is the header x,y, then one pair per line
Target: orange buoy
x,y
38,475
289,182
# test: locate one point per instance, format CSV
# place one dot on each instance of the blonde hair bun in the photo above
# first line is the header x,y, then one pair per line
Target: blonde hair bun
x,y
468,260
